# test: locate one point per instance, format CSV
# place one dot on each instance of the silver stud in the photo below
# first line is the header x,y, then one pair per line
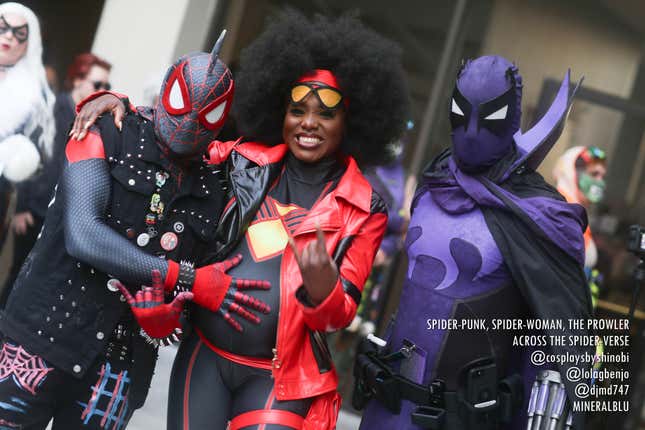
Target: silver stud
x,y
67,314
73,304
48,319
69,282
61,297
100,335
40,332
54,308
83,288
51,339
92,271
76,368
60,325
112,284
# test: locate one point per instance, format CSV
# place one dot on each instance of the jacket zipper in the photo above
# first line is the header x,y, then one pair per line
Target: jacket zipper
x,y
275,361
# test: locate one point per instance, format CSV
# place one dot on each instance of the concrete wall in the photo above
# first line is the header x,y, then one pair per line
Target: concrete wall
x,y
546,38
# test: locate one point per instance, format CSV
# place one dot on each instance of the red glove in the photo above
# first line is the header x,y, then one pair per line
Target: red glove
x,y
213,289
156,318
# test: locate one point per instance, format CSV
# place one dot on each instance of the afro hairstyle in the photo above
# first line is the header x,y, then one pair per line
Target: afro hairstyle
x,y
367,66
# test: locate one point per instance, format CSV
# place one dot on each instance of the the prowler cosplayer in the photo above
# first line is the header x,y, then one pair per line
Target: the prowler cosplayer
x,y
128,203
488,239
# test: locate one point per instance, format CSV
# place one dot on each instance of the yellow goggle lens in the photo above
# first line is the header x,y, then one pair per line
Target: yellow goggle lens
x,y
299,92
329,97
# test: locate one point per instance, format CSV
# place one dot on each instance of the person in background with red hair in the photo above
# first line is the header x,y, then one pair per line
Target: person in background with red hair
x,y
85,75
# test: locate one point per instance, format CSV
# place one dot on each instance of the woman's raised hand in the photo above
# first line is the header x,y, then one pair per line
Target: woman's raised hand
x,y
92,110
319,271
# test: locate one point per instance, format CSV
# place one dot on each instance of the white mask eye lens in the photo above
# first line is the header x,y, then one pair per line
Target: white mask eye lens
x,y
216,113
498,114
456,109
175,98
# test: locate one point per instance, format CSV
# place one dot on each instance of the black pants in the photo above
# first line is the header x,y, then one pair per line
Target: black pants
x,y
22,245
32,392
207,390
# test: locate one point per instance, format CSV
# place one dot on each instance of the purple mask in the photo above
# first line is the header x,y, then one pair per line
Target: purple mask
x,y
194,102
485,112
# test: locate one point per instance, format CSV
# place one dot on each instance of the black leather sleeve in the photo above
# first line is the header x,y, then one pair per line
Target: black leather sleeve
x,y
86,187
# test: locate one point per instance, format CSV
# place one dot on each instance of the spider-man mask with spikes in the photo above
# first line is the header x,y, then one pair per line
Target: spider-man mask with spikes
x,y
194,102
485,112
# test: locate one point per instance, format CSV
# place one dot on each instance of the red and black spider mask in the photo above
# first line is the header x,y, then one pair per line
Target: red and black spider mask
x,y
195,99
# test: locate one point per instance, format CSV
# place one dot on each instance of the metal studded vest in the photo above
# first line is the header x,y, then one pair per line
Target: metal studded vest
x,y
65,310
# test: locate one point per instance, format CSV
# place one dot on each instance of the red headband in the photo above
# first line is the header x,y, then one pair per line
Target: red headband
x,y
321,75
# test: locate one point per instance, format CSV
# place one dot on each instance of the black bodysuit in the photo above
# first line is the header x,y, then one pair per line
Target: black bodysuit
x,y
198,370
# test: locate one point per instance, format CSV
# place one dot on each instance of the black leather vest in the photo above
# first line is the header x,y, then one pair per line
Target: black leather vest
x,y
61,308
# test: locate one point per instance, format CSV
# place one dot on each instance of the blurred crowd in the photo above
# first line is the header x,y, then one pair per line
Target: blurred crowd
x,y
34,126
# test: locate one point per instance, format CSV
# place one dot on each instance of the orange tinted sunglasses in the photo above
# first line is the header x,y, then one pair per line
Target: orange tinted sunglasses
x,y
328,96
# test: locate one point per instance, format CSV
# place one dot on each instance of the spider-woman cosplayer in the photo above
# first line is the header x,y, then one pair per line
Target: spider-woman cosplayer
x,y
309,89
128,203
321,95
488,239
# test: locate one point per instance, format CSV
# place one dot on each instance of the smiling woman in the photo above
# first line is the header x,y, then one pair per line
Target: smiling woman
x,y
308,89
313,129
365,67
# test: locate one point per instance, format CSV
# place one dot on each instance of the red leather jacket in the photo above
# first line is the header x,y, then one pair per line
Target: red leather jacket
x,y
353,219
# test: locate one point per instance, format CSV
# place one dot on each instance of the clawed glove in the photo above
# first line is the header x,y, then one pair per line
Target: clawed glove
x,y
213,289
155,317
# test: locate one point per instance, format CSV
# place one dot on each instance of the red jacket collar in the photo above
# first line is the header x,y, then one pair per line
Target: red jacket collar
x,y
259,153
353,187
